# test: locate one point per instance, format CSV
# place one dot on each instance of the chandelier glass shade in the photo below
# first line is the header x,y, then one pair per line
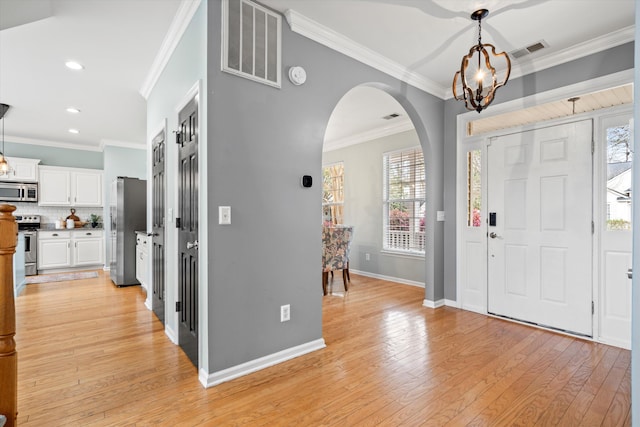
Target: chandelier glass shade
x,y
477,81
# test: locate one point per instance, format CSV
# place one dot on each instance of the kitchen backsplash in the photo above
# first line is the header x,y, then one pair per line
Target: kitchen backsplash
x,y
49,214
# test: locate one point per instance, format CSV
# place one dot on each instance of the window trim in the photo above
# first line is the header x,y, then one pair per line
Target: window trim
x,y
411,252
342,204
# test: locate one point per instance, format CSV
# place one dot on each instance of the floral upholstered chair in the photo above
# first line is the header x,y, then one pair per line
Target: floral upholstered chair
x,y
336,243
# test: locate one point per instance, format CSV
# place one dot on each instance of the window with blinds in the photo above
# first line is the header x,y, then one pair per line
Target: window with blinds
x,y
404,201
251,41
333,194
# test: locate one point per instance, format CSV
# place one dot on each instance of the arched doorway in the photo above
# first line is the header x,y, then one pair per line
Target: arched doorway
x,y
375,179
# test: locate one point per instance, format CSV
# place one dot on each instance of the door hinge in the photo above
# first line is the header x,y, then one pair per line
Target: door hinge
x,y
593,146
593,308
593,227
178,306
178,224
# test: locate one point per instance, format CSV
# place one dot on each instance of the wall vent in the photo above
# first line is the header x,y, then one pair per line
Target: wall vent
x,y
391,116
519,53
251,41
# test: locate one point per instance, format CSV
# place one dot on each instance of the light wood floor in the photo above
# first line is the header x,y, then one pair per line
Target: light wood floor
x,y
92,354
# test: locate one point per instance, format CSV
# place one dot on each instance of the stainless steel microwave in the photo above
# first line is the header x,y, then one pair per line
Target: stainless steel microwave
x,y
18,191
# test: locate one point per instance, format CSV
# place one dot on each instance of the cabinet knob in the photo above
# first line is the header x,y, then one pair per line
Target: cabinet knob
x,y
54,234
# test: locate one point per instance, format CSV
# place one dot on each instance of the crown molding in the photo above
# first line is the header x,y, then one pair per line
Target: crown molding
x,y
586,48
47,143
123,144
179,25
332,39
311,29
369,135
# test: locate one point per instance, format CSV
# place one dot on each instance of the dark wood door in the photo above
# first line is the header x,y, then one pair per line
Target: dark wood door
x,y
158,298
188,229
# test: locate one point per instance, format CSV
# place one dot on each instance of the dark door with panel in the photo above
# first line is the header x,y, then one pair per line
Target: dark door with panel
x,y
188,229
159,189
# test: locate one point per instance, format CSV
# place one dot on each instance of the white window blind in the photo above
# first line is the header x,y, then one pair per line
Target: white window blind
x,y
333,194
404,201
251,41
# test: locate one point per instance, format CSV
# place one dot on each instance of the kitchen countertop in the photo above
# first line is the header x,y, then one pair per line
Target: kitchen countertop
x,y
50,226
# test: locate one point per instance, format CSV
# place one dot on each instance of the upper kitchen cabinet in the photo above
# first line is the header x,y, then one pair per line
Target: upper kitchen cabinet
x,y
23,170
61,186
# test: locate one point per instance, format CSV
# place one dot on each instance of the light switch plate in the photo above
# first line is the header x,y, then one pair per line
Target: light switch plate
x,y
440,216
224,215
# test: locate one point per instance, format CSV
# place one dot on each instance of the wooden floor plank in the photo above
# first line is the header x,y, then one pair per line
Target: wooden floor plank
x,y
91,354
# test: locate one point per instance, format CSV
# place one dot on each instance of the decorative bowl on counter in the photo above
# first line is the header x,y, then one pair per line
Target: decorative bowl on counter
x,y
80,224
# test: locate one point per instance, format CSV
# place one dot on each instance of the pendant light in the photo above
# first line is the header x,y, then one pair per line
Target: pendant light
x,y
479,85
4,165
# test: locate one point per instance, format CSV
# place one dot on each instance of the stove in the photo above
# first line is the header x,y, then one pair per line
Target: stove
x,y
29,224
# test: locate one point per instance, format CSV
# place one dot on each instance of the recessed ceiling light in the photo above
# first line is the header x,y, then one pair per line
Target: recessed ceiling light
x,y
74,65
74,131
73,110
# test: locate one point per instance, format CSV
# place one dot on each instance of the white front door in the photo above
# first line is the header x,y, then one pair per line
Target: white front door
x,y
540,226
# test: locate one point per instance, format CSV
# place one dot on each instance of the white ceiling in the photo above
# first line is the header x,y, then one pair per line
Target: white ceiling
x,y
421,41
116,41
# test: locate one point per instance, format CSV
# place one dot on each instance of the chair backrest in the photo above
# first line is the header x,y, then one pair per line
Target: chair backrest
x,y
336,244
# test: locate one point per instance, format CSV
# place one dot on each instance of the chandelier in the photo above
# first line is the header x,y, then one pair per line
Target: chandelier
x,y
479,84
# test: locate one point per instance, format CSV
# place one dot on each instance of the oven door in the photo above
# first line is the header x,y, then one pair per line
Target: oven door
x,y
30,246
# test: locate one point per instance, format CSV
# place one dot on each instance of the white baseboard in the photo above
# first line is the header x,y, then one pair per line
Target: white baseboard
x,y
433,304
18,289
451,303
388,278
210,380
171,334
147,303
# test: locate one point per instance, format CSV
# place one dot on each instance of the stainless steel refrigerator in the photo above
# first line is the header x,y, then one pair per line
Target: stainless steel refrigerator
x,y
128,214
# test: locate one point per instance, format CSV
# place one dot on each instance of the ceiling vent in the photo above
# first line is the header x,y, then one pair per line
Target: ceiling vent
x,y
519,53
391,116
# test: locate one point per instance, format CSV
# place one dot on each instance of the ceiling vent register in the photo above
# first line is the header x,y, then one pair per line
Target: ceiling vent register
x,y
519,53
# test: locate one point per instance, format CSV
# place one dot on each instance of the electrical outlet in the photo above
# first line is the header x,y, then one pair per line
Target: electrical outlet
x,y
285,313
367,257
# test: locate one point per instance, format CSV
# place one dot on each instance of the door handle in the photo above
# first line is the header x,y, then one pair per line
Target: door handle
x,y
192,245
494,235
630,273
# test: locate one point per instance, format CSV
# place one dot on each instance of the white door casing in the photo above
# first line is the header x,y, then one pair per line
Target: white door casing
x,y
540,189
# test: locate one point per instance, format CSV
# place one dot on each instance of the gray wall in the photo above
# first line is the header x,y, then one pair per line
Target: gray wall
x,y
610,61
363,206
55,156
261,140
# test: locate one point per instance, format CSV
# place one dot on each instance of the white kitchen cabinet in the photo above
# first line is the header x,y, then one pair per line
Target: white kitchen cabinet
x,y
70,186
70,248
142,257
23,170
55,186
88,247
54,249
